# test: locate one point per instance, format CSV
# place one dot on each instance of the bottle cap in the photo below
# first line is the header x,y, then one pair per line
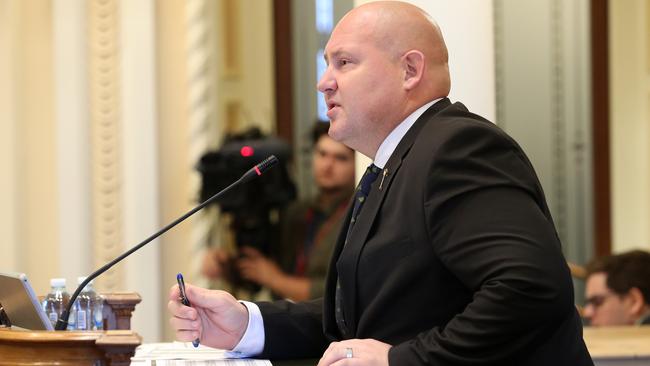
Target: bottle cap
x,y
57,282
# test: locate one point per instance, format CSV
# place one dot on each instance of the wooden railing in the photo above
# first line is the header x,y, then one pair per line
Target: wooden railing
x,y
118,308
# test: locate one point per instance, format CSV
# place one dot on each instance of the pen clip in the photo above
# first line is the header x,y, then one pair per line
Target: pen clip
x,y
181,287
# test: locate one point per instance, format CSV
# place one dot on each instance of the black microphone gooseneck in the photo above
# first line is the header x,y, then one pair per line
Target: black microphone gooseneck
x,y
259,169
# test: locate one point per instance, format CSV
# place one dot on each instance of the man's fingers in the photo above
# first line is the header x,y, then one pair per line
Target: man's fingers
x,y
184,324
356,352
186,336
334,353
198,296
208,299
251,252
191,292
181,311
245,263
186,329
174,293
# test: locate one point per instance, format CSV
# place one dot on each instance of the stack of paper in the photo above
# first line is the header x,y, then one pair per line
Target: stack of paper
x,y
182,354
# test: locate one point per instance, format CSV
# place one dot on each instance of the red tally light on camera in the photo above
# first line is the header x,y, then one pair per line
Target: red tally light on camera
x,y
246,151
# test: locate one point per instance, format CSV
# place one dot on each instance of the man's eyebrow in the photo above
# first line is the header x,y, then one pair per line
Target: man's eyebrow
x,y
334,54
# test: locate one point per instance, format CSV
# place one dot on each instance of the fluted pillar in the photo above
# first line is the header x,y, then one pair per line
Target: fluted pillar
x,y
199,55
107,179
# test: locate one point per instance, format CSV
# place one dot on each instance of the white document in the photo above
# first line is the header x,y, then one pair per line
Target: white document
x,y
184,353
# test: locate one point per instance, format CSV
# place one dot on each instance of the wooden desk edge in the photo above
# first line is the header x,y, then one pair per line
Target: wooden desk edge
x,y
618,342
112,337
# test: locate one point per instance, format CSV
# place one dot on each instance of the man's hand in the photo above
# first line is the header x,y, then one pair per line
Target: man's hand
x,y
360,352
216,317
215,264
255,267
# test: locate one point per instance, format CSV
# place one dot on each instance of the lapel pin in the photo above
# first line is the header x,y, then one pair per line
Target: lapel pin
x,y
383,176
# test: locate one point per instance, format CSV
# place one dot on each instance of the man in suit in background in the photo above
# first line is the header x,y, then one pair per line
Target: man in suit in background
x,y
450,255
618,290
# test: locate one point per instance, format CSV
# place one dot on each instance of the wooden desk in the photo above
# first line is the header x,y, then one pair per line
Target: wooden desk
x,y
613,346
111,347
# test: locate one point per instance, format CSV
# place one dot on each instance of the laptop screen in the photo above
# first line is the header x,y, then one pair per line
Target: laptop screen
x,y
20,304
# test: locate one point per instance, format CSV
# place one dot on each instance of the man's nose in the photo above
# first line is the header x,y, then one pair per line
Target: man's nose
x,y
331,161
327,83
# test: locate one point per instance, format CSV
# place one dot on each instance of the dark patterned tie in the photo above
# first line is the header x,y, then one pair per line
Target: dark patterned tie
x,y
359,199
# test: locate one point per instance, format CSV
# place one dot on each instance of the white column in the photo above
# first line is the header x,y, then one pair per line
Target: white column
x,y
8,240
73,138
140,191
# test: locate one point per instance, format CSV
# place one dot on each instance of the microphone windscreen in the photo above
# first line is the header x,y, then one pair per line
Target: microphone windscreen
x,y
266,164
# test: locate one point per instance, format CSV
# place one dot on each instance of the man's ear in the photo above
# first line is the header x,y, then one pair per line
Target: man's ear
x,y
413,65
637,303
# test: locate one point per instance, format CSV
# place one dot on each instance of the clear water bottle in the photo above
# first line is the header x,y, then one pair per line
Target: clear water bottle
x,y
56,300
88,308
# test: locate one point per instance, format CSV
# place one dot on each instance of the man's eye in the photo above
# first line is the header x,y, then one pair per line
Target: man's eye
x,y
343,62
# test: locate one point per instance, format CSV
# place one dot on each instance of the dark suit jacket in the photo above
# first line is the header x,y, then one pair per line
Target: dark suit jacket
x,y
455,261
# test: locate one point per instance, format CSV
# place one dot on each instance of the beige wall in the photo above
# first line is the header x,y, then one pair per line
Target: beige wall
x,y
34,109
630,123
7,138
246,83
32,209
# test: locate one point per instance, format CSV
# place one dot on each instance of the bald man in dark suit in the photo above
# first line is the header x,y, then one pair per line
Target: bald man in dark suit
x,y
449,255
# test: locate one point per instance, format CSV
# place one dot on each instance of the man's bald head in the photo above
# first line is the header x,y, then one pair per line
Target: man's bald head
x,y
385,60
398,27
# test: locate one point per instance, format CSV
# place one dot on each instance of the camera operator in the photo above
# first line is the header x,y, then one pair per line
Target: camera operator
x,y
297,267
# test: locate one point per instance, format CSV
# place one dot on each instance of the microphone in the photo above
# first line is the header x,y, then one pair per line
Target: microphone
x,y
257,170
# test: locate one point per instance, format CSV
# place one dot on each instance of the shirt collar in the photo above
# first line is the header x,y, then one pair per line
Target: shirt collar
x,y
389,144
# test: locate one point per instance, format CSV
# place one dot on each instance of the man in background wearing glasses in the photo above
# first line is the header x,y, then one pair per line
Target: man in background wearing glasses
x,y
618,290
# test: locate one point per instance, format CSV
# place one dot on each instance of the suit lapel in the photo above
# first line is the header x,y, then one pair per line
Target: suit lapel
x,y
348,256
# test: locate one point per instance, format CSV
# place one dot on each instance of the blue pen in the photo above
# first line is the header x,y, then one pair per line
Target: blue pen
x,y
184,300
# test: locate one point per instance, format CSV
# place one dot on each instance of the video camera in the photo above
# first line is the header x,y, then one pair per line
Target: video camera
x,y
237,155
252,204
